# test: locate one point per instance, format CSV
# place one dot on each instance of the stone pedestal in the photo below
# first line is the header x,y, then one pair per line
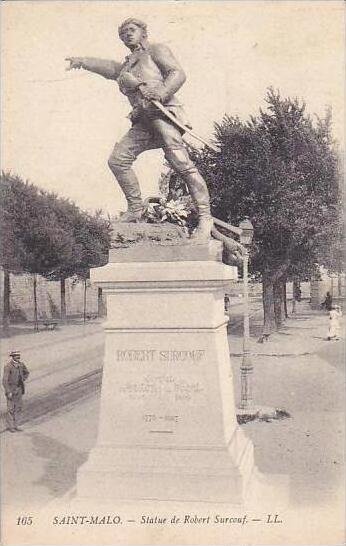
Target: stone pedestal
x,y
168,428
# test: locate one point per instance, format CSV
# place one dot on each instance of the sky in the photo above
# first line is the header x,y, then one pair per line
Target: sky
x,y
59,127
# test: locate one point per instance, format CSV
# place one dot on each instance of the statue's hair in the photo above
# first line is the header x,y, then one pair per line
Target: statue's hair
x,y
136,22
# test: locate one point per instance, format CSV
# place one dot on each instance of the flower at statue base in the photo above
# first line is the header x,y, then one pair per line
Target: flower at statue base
x,y
175,211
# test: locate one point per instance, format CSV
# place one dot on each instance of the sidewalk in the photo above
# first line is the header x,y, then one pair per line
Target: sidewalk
x,y
303,333
299,371
24,338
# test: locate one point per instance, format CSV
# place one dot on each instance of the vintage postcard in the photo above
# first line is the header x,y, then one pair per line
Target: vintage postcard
x,y
172,272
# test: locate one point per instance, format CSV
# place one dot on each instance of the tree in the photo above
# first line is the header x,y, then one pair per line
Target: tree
x,y
34,242
93,235
281,170
47,235
11,250
89,243
66,215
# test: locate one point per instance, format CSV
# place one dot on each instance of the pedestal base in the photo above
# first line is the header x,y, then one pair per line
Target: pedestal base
x,y
205,474
168,430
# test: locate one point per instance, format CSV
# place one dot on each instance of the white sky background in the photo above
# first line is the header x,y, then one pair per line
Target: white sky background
x,y
59,134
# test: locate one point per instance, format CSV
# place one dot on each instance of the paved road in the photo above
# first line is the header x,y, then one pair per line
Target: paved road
x,y
65,367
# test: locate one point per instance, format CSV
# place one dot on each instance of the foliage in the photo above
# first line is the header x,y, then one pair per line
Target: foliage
x,y
33,240
91,240
281,170
11,246
45,234
175,211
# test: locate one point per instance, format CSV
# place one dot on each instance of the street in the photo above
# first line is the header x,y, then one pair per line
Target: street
x,y
63,368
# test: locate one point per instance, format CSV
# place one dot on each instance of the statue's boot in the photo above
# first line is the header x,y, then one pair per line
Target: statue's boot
x,y
200,195
129,184
202,233
131,216
179,159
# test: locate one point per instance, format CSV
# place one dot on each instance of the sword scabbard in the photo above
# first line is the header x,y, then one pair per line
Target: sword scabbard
x,y
181,125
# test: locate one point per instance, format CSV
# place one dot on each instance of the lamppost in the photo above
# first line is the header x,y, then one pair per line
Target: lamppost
x,y
246,368
246,410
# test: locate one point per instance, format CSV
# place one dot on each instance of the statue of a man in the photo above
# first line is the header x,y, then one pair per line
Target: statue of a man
x,y
150,72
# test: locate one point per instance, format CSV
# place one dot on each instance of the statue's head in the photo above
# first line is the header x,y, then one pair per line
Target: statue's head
x,y
132,32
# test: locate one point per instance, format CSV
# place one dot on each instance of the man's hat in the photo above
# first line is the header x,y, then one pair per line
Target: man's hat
x,y
15,353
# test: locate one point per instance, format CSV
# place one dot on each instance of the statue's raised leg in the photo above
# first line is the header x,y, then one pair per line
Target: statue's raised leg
x,y
136,141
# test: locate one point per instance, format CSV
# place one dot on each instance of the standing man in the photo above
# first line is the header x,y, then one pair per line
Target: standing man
x,y
328,302
150,72
15,374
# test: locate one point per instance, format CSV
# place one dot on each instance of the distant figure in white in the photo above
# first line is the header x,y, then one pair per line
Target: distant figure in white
x,y
335,315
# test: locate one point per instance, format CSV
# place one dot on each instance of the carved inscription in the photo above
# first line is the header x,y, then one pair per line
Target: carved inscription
x,y
151,355
161,387
151,417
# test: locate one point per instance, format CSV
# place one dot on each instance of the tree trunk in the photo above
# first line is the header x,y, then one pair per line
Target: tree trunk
x,y
268,304
284,296
100,304
278,307
295,295
63,299
294,306
35,304
273,304
7,306
84,301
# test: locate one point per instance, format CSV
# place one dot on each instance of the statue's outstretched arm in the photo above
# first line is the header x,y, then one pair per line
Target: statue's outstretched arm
x,y
107,69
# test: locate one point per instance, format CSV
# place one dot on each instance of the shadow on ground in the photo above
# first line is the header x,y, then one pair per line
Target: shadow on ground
x,y
235,326
62,463
333,352
29,327
17,330
318,463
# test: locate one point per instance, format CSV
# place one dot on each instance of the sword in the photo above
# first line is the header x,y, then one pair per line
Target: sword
x,y
179,124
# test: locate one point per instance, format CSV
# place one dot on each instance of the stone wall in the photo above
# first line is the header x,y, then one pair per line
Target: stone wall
x,y
48,298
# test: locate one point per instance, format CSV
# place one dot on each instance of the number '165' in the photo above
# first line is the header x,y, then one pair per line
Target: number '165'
x,y
24,520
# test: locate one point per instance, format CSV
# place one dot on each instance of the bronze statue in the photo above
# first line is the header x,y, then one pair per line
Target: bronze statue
x,y
150,74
